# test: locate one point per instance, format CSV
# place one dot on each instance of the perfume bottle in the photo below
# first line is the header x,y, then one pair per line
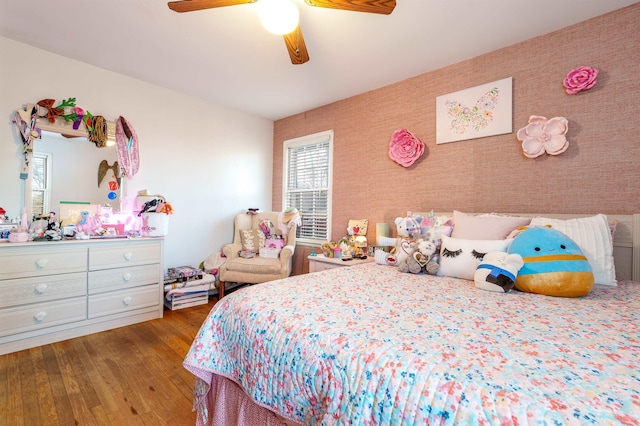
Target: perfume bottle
x,y
24,224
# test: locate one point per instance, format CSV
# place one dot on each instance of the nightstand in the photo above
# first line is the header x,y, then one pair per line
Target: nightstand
x,y
320,263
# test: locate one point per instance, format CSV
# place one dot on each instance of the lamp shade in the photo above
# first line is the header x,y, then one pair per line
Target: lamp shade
x,y
278,16
382,230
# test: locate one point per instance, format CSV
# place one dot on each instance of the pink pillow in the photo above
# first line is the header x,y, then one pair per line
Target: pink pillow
x,y
485,227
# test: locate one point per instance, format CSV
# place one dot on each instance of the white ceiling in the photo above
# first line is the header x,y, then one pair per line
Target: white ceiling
x,y
225,56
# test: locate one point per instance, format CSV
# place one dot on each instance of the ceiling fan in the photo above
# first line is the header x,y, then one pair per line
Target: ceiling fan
x,y
293,39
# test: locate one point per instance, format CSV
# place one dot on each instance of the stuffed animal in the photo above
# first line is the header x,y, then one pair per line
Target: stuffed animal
x,y
411,264
328,247
553,264
421,258
498,271
436,226
428,248
407,229
88,223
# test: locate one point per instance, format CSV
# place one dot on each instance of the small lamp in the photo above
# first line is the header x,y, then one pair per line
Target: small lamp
x,y
382,230
360,243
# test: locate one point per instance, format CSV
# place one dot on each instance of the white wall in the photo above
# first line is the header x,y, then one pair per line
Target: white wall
x,y
210,162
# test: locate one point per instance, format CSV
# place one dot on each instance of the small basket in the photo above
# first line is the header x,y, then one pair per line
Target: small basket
x,y
154,224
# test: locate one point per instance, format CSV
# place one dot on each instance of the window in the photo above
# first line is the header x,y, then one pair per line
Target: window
x,y
307,184
40,183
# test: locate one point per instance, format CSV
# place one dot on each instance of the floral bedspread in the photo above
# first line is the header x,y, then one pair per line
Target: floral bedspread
x,y
368,345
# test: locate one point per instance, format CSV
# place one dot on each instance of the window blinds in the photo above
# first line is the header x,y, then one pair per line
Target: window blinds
x,y
307,187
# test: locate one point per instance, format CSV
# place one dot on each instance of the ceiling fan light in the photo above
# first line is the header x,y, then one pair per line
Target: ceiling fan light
x,y
278,16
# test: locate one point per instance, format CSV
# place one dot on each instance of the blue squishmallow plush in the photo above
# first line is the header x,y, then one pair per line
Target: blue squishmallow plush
x,y
553,264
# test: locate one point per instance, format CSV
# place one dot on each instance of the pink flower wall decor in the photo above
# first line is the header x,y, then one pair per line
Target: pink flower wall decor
x,y
542,135
405,148
579,79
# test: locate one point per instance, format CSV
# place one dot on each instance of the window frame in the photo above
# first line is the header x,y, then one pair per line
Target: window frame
x,y
307,140
46,191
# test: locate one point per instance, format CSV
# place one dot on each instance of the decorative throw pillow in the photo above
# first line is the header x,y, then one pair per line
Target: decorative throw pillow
x,y
485,227
593,236
459,258
252,239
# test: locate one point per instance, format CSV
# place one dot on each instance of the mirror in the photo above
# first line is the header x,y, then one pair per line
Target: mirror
x,y
67,170
70,159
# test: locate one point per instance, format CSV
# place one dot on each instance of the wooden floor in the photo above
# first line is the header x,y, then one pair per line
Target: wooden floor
x,y
128,376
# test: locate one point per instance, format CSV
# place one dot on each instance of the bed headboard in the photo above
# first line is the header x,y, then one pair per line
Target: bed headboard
x,y
626,242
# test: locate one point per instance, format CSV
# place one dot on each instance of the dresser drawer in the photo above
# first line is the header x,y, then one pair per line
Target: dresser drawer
x,y
124,254
33,317
42,289
322,266
123,301
17,263
116,279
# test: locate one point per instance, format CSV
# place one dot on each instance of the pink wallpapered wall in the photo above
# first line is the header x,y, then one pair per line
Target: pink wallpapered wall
x,y
600,172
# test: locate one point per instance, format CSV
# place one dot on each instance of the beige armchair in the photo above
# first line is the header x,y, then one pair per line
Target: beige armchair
x,y
257,269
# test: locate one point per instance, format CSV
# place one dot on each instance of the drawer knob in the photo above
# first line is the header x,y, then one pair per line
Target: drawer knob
x,y
41,288
126,301
41,263
128,255
126,277
40,316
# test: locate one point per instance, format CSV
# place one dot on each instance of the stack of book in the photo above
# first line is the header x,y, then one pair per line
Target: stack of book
x,y
187,286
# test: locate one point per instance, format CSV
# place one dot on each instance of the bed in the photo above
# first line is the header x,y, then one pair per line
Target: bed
x,y
368,345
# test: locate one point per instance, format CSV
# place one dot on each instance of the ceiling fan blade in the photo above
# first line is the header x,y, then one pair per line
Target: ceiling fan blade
x,y
384,7
296,46
192,5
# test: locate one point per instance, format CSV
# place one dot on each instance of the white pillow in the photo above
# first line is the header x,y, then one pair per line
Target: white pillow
x,y
459,258
593,236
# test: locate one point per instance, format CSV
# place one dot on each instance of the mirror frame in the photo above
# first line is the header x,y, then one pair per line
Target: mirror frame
x,y
31,121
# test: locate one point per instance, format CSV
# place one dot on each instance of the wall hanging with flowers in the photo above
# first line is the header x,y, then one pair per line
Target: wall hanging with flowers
x,y
544,135
579,79
405,148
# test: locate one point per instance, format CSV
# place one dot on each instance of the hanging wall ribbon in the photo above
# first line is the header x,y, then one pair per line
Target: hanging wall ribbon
x,y
127,144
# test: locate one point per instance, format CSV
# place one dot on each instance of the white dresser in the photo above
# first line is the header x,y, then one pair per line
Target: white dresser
x,y
52,291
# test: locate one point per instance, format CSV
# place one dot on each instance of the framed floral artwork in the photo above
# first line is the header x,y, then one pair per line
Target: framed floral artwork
x,y
477,112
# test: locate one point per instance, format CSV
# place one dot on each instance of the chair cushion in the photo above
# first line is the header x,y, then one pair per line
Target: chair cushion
x,y
255,265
